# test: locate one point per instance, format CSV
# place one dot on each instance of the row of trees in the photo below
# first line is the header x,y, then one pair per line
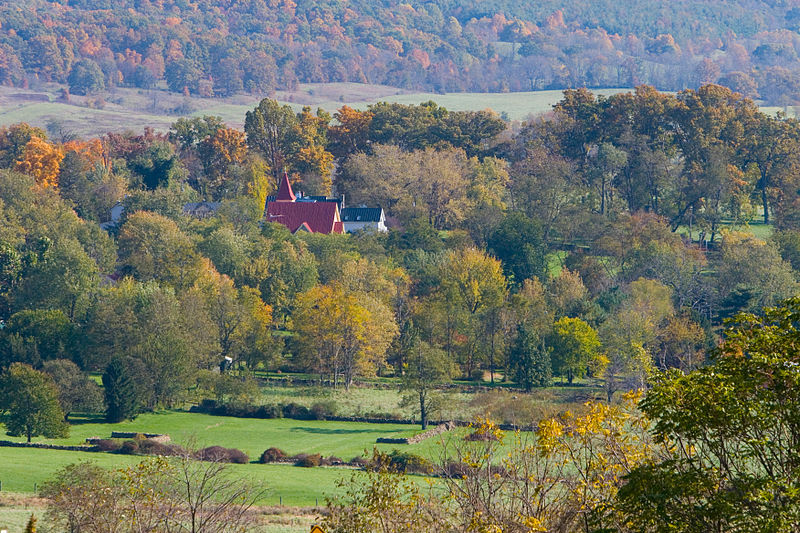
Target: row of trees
x,y
209,50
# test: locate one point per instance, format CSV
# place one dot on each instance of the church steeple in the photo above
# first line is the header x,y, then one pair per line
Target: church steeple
x,y
285,193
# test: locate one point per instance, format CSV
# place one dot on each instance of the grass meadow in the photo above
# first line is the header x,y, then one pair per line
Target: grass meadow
x,y
132,109
342,439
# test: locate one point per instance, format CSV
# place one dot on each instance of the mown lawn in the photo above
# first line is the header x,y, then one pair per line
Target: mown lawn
x,y
23,470
342,439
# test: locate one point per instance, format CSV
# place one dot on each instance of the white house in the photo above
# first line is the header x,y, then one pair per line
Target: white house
x,y
358,218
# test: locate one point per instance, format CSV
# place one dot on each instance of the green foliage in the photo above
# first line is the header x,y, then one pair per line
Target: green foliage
x,y
529,359
732,466
76,391
86,78
425,367
518,243
122,393
29,400
45,335
575,345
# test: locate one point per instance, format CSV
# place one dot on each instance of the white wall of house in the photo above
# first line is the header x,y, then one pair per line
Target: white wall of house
x,y
351,227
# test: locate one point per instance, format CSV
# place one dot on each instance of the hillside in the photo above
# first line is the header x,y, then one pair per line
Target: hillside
x,y
135,109
221,48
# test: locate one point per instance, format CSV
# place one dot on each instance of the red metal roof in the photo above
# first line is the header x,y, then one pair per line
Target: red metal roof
x,y
285,193
321,217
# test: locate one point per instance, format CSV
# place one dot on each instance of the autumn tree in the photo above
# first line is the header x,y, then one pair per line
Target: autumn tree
x,y
350,133
342,334
472,285
157,494
41,160
575,347
242,320
13,141
752,274
221,153
630,335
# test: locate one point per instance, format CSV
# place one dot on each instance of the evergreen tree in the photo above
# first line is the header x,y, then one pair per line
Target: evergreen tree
x,y
122,393
529,359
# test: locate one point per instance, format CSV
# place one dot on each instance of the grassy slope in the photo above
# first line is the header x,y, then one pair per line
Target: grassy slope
x,y
133,109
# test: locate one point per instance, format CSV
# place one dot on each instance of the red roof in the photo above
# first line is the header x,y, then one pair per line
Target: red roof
x,y
321,217
285,193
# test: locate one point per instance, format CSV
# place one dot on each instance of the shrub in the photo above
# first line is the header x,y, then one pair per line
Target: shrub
x,y
222,455
409,462
358,461
237,456
269,411
297,411
309,461
272,455
323,410
130,447
331,460
108,445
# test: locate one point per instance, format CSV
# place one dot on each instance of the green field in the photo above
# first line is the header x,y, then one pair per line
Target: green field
x,y
21,469
342,439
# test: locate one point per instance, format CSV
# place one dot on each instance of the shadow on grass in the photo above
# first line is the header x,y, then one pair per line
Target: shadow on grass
x,y
328,431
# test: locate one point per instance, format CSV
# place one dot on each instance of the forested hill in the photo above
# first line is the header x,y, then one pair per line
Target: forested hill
x,y
222,47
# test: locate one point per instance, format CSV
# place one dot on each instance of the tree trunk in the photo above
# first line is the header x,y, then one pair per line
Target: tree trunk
x,y
765,204
423,412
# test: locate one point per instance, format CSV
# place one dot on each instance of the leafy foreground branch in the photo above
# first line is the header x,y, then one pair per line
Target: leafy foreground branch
x,y
177,495
564,477
715,450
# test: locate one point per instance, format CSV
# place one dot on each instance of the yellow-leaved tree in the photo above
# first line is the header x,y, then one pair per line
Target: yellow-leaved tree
x,y
342,334
41,160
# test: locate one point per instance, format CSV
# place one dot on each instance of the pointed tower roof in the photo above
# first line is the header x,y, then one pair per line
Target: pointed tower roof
x,y
285,193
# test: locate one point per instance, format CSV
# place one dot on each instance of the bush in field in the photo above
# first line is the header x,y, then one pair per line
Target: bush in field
x,y
153,447
272,455
108,445
130,447
222,455
307,461
409,462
